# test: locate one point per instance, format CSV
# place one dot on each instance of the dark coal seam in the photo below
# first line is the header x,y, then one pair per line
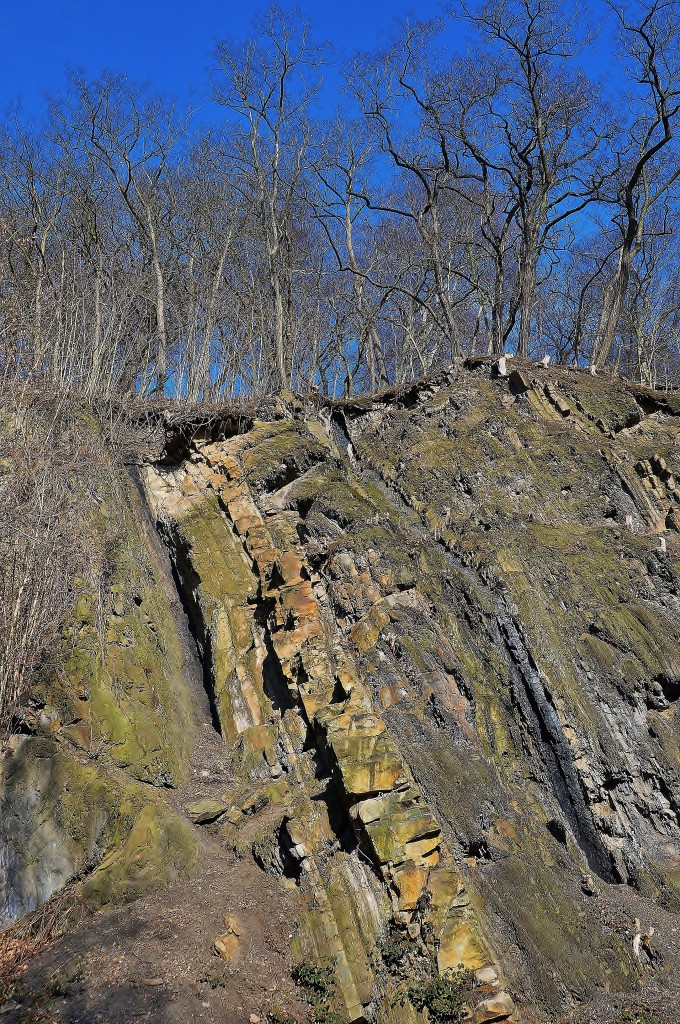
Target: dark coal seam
x,y
547,733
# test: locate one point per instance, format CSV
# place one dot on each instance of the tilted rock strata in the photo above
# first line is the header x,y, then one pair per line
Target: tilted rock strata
x,y
487,558
440,630
394,825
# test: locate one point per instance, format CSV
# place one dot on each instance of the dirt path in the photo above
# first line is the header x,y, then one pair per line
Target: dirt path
x,y
153,960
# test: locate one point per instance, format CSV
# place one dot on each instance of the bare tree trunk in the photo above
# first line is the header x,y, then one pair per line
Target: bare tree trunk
x,y
97,332
527,291
612,304
161,358
497,339
279,330
37,321
203,381
376,363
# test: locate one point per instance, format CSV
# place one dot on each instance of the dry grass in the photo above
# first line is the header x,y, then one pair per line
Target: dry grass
x,y
33,934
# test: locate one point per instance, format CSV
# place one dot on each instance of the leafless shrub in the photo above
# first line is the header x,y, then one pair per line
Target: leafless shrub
x,y
55,466
61,459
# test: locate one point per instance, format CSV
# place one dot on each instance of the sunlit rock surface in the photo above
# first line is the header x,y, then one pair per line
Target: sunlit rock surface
x,y
439,633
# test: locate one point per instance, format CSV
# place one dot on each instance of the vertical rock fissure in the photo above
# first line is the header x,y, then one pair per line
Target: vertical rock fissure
x,y
195,670
273,680
339,431
182,570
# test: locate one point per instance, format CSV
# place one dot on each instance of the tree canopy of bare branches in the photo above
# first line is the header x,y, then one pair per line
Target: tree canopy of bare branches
x,y
485,200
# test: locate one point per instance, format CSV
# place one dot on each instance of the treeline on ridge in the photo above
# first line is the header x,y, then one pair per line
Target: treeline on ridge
x,y
497,200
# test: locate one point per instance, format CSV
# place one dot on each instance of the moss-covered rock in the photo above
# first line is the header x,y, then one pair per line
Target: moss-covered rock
x,y
119,690
158,849
61,817
113,713
455,651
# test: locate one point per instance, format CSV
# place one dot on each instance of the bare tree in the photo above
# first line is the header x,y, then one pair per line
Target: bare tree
x,y
132,137
343,170
533,131
406,107
461,213
269,84
650,321
49,470
650,38
33,189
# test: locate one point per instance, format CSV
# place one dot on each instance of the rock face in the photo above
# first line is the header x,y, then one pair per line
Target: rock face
x,y
440,637
457,599
285,682
80,793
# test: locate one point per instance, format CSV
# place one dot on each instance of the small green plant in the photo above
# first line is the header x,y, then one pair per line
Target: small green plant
x,y
316,979
327,1016
318,984
443,996
64,983
642,1016
394,948
277,1016
212,979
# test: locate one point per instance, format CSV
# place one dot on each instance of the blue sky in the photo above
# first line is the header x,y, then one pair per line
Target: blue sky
x,y
165,43
168,44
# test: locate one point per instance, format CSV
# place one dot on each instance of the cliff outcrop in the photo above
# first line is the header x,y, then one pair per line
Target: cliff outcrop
x,y
438,651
